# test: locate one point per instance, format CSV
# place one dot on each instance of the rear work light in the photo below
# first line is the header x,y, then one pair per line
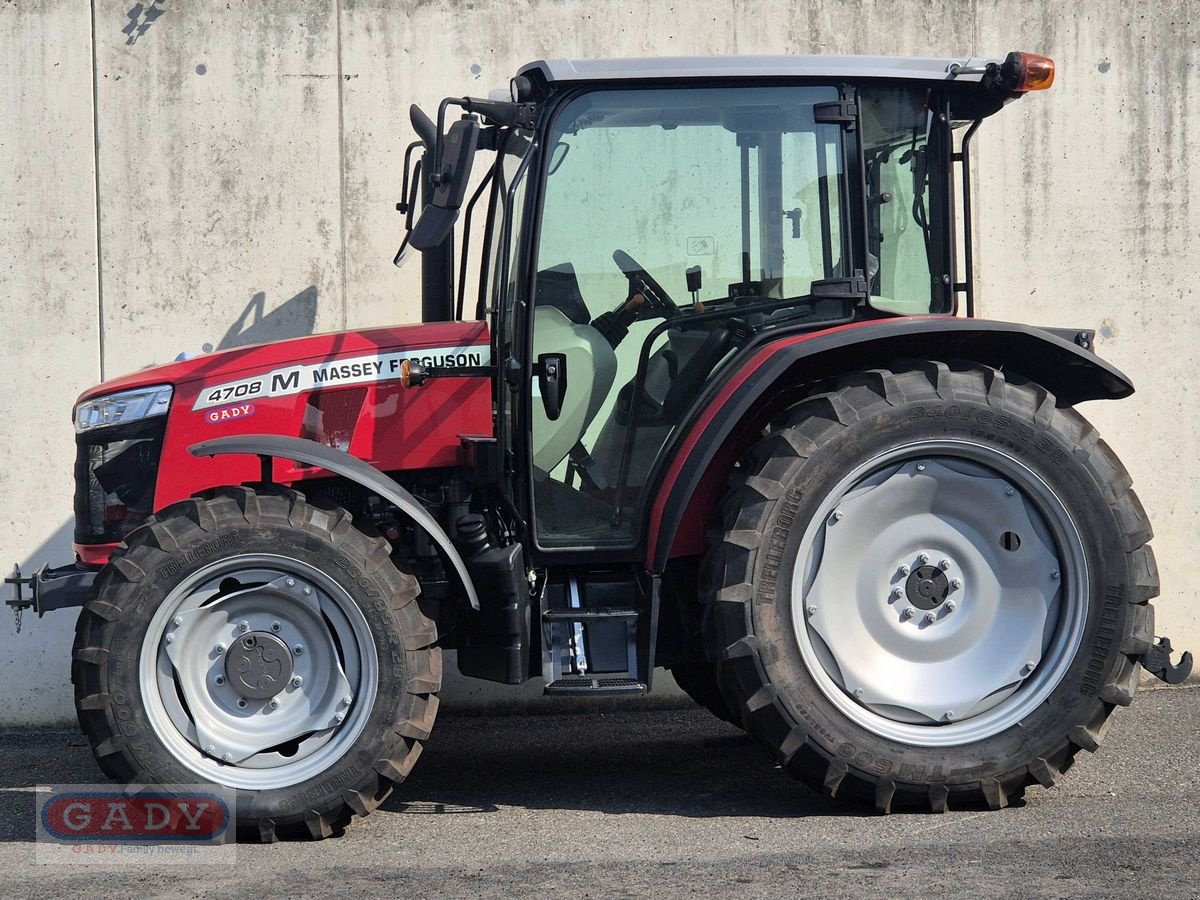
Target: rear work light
x,y
1022,72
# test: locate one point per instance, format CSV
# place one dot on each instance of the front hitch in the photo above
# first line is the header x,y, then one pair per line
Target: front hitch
x,y
1157,661
49,589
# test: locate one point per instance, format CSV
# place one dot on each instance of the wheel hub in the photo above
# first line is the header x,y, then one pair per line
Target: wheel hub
x,y
927,587
258,665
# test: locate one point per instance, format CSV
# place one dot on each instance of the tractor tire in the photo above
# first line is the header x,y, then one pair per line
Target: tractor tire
x,y
249,639
931,589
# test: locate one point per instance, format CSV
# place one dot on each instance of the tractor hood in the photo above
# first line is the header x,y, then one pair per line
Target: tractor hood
x,y
310,357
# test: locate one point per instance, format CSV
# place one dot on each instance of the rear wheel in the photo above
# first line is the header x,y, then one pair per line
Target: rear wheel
x,y
932,588
258,642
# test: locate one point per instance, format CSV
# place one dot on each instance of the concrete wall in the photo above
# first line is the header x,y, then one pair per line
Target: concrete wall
x,y
178,174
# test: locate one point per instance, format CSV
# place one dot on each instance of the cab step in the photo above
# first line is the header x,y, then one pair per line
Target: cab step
x,y
590,614
577,685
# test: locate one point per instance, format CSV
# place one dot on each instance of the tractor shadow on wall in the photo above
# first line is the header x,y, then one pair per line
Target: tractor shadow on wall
x,y
295,317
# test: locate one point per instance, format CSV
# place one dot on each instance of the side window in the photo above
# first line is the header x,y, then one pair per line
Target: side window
x,y
739,189
901,145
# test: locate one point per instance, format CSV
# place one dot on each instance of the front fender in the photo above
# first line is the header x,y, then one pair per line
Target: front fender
x,y
350,467
707,444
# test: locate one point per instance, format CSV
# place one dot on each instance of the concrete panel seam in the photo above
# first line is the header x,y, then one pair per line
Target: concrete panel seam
x,y
96,196
341,158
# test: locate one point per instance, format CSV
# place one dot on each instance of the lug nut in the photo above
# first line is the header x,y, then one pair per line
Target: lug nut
x,y
837,516
297,681
210,749
930,617
950,606
1028,668
812,610
243,626
228,757
1054,574
1008,492
955,584
920,467
220,679
178,621
275,626
220,648
339,717
347,700
241,703
904,570
298,649
291,582
307,591
274,703
923,559
858,692
944,565
897,593
950,715
170,637
907,613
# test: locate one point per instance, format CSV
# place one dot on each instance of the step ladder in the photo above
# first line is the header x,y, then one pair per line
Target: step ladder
x,y
598,633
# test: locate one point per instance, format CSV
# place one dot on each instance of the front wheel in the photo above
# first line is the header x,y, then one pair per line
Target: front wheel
x,y
252,640
932,588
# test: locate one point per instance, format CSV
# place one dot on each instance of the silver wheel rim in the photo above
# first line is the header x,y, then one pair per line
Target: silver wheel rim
x,y
258,672
948,658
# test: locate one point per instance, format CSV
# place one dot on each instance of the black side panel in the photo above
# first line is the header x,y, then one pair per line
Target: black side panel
x,y
1070,372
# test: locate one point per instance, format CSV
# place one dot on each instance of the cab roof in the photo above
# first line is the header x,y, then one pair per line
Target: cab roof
x,y
916,68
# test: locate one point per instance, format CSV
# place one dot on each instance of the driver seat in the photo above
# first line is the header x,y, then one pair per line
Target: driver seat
x,y
591,370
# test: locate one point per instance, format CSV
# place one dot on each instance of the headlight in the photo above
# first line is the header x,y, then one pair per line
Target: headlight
x,y
122,408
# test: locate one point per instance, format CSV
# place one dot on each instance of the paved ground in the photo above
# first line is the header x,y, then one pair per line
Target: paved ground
x,y
676,803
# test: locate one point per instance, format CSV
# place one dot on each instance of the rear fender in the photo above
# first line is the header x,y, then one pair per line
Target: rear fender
x,y
349,467
772,374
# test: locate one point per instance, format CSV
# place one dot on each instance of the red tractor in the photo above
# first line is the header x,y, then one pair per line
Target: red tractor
x,y
712,407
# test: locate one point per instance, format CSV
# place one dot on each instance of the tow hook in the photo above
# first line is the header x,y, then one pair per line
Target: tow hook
x,y
1157,661
49,589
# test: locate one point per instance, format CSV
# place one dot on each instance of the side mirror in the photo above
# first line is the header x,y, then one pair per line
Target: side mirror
x,y
456,155
552,382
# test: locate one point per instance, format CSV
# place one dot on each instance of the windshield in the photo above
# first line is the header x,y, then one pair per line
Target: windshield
x,y
741,182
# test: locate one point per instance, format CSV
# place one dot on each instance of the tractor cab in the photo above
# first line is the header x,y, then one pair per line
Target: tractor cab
x,y
649,220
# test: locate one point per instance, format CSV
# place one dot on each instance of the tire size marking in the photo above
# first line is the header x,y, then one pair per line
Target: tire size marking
x,y
1106,635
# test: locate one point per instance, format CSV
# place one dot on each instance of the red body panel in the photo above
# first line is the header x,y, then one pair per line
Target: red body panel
x,y
394,428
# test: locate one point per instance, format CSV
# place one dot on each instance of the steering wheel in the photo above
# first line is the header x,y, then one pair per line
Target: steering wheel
x,y
641,281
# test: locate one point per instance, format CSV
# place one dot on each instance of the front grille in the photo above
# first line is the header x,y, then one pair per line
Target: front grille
x,y
115,472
